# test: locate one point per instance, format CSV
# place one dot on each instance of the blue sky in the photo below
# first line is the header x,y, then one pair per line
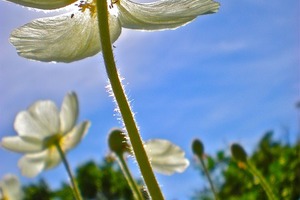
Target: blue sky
x,y
223,78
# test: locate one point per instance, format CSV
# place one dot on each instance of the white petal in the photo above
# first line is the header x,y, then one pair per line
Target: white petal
x,y
69,112
166,157
70,140
33,164
63,38
53,158
22,145
11,187
43,4
27,125
164,14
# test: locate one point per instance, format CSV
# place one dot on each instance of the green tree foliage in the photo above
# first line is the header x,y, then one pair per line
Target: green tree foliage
x,y
40,191
105,181
96,182
279,163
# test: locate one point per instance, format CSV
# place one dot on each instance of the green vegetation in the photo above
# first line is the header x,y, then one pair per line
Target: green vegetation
x,y
279,164
96,182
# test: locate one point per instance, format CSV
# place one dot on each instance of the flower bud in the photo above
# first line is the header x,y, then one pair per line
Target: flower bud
x,y
117,141
238,153
198,147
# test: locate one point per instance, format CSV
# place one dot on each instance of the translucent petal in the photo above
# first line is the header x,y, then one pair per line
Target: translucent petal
x,y
11,187
165,157
63,38
44,4
32,164
70,140
53,158
164,14
27,126
22,145
69,112
46,114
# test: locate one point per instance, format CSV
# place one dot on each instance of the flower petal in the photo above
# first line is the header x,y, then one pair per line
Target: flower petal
x,y
70,140
69,112
44,4
53,158
63,38
11,187
166,157
36,123
22,145
164,14
33,164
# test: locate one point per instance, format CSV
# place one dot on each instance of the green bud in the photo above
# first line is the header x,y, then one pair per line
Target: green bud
x,y
238,153
198,147
117,141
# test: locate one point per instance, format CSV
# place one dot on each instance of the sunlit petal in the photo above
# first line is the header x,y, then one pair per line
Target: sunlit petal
x,y
47,115
166,157
63,38
11,187
22,145
43,4
32,164
53,158
164,14
69,112
70,140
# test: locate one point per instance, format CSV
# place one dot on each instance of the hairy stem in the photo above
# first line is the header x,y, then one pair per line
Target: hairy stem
x,y
136,191
123,104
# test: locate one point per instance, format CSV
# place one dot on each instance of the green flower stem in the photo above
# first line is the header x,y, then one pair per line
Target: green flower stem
x,y
265,185
208,177
135,189
75,190
123,104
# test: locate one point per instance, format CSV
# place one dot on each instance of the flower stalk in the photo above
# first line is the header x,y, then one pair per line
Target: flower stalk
x,y
265,185
135,189
198,149
75,188
123,104
240,155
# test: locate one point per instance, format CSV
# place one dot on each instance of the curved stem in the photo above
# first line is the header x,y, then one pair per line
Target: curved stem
x,y
75,190
123,104
265,185
136,191
208,177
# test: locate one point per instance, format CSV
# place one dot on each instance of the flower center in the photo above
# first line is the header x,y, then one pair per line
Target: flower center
x,y
90,5
52,140
84,5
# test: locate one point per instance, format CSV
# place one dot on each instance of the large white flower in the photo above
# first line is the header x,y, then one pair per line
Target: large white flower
x,y
74,35
10,188
40,128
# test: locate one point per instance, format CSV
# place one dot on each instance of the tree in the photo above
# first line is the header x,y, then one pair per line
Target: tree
x,y
96,182
279,163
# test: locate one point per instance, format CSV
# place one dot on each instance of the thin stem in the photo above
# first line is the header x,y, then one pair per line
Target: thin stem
x,y
123,104
136,191
265,185
75,190
208,177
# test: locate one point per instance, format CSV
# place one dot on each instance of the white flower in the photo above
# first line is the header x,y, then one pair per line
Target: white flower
x,y
10,188
166,157
74,35
40,128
